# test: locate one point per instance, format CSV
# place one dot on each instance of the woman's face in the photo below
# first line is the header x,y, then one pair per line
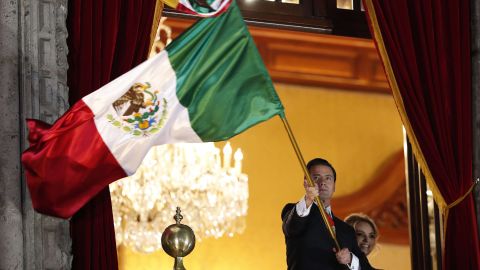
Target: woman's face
x,y
366,237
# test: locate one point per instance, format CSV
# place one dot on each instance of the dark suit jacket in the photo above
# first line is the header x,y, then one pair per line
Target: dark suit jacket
x,y
309,245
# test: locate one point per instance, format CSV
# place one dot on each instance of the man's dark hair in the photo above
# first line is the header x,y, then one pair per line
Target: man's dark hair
x,y
324,162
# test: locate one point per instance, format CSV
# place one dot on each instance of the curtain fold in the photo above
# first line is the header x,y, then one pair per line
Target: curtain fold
x,y
106,39
425,49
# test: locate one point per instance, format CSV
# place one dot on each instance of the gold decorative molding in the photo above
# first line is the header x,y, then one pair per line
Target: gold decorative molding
x,y
384,199
314,59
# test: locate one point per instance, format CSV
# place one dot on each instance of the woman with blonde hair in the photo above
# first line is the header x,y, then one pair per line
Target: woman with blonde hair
x,y
365,230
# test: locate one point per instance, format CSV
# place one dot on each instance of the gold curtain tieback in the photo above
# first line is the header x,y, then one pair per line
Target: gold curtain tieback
x,y
459,200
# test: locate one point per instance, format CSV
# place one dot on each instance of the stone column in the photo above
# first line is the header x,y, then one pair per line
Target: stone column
x,y
11,235
33,70
44,96
475,28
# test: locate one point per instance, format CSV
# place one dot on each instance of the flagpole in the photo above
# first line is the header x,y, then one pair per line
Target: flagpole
x,y
309,179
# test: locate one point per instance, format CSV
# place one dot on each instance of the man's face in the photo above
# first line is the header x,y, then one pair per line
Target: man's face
x,y
323,177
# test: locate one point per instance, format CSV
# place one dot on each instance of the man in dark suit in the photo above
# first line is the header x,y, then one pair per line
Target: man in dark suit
x,y
309,244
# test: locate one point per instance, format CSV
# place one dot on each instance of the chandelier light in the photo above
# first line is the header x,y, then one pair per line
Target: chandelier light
x,y
211,190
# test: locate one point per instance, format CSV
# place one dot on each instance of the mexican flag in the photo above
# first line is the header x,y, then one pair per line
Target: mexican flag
x,y
208,85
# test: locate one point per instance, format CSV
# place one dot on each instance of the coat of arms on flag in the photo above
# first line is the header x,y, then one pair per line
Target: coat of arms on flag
x,y
138,111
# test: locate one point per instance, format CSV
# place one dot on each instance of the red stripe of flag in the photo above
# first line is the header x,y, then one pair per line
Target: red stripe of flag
x,y
67,163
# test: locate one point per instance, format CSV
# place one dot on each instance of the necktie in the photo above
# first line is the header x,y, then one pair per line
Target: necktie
x,y
330,219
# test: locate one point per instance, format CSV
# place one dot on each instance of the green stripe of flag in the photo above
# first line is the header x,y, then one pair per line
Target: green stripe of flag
x,y
221,78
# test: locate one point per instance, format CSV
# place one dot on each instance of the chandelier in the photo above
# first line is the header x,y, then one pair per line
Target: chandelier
x,y
211,191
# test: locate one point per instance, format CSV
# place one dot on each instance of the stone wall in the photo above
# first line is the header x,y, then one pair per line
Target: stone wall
x,y
33,70
11,245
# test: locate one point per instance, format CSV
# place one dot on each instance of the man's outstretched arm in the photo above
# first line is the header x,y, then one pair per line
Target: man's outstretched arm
x,y
293,223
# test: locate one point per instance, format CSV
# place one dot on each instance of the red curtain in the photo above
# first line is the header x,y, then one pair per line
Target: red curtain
x,y
425,47
105,40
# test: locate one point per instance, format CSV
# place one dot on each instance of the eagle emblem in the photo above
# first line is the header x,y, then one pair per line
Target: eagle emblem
x,y
134,98
138,111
